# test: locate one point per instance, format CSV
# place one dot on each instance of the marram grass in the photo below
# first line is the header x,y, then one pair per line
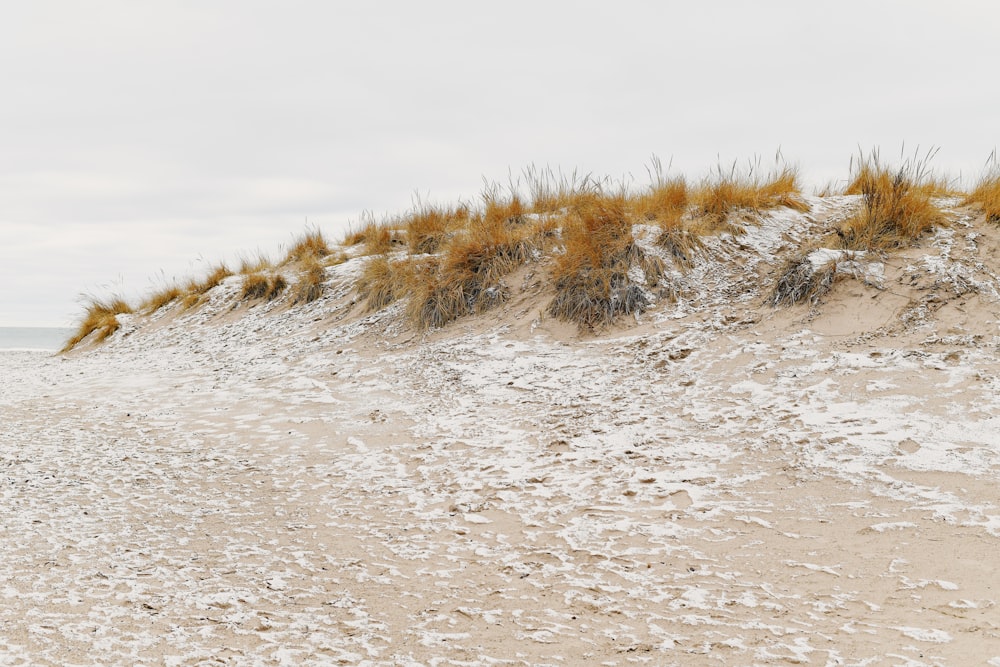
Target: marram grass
x,y
577,232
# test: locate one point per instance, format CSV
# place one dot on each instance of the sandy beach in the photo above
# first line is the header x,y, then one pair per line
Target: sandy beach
x,y
713,482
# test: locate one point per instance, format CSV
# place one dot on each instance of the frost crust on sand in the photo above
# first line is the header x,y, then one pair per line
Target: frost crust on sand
x,y
716,482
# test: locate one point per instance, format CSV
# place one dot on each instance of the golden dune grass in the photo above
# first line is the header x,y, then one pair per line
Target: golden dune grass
x,y
100,317
986,194
448,261
897,204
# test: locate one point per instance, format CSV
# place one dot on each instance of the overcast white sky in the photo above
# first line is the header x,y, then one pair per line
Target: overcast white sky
x,y
144,140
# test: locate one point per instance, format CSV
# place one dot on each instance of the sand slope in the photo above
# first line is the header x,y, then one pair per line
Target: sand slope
x,y
717,482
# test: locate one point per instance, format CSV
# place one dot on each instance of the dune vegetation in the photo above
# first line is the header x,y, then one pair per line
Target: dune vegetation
x,y
986,193
100,320
897,203
444,262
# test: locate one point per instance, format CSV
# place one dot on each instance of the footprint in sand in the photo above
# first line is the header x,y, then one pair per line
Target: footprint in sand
x,y
681,499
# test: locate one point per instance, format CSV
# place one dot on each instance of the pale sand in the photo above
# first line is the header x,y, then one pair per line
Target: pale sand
x,y
721,483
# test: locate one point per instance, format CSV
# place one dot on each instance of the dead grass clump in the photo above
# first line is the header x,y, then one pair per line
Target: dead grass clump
x,y
310,284
377,237
161,298
428,226
438,300
916,168
592,275
801,280
311,245
500,210
551,192
986,194
100,318
468,277
196,289
213,279
897,206
254,263
381,282
724,193
664,203
682,244
782,188
259,285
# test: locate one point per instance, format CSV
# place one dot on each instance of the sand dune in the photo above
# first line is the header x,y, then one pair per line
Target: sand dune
x,y
713,482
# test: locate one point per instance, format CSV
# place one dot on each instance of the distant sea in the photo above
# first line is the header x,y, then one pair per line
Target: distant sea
x,y
49,339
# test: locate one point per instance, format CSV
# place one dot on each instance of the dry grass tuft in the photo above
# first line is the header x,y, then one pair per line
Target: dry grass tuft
x,y
382,281
801,280
591,277
161,298
897,206
196,289
254,263
986,194
682,244
310,284
377,237
782,188
474,250
190,300
664,203
259,285
213,279
916,169
428,227
500,210
311,245
468,276
100,317
551,192
724,193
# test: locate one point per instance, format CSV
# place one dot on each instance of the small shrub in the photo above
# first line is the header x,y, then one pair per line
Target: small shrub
x,y
100,316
